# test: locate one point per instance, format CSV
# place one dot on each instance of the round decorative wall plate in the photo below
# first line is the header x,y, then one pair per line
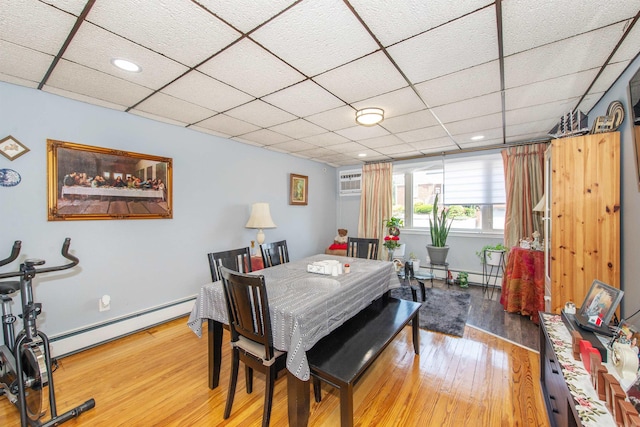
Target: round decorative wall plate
x,y
9,178
616,111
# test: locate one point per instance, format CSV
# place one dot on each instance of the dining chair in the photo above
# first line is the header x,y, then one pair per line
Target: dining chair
x,y
251,337
274,253
235,259
361,247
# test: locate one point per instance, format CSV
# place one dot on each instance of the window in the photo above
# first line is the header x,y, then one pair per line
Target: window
x,y
471,187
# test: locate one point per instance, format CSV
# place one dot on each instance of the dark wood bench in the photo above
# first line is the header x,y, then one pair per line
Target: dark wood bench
x,y
344,355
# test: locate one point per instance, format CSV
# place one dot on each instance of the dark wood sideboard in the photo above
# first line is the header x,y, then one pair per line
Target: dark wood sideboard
x,y
560,402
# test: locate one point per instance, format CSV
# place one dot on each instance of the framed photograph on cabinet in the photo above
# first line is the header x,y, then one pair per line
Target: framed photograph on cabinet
x,y
11,148
86,182
298,189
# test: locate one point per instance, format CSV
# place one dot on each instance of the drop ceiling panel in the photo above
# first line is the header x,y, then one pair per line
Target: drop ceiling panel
x,y
23,63
476,124
182,30
629,47
394,103
265,137
83,98
493,135
35,25
94,47
202,90
468,83
246,15
335,119
88,82
541,112
158,118
298,129
569,56
316,36
608,76
557,89
469,108
531,24
293,146
440,51
261,114
357,133
435,145
394,21
407,122
250,68
362,79
325,139
227,125
423,134
168,106
304,99
381,141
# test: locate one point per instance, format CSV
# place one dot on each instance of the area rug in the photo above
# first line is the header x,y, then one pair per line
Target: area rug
x,y
444,311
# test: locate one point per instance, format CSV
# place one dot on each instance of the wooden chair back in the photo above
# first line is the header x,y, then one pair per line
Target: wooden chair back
x,y
275,253
235,259
248,309
362,247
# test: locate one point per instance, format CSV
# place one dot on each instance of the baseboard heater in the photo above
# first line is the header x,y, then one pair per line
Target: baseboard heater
x,y
75,341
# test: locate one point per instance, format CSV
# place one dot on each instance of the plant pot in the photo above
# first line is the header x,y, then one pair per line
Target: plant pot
x,y
438,255
492,257
416,264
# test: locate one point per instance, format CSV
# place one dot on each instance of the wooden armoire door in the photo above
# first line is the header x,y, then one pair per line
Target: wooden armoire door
x,y
585,215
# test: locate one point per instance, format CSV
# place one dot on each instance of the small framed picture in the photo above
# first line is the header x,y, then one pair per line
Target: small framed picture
x,y
11,148
298,189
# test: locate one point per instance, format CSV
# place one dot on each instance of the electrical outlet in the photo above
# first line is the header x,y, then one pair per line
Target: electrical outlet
x,y
104,303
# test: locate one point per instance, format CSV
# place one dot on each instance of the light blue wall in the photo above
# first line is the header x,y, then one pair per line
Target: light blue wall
x,y
147,263
630,196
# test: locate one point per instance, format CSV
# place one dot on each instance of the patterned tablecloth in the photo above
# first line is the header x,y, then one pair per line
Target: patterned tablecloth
x,y
304,306
591,410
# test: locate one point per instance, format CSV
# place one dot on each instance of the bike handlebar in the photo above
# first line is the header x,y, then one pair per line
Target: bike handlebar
x,y
65,253
14,253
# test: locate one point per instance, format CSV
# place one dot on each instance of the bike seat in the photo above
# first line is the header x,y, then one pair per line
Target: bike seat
x,y
7,288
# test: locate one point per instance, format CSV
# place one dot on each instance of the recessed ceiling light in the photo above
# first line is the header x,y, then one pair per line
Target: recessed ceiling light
x,y
369,116
362,155
477,137
123,64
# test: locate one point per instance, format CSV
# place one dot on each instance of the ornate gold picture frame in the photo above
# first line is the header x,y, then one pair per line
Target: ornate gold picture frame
x,y
86,183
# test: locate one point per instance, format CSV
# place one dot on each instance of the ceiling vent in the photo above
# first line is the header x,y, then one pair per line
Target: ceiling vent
x,y
350,182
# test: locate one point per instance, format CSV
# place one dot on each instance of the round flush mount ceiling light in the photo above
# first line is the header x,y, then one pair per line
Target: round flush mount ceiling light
x,y
125,65
369,116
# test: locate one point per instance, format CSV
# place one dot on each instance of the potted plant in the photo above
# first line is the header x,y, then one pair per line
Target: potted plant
x,y
414,260
440,226
393,225
491,254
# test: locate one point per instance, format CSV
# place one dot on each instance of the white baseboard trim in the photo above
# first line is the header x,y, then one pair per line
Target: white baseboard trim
x,y
74,341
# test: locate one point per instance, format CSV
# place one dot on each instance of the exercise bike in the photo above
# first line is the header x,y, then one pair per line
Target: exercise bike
x,y
25,360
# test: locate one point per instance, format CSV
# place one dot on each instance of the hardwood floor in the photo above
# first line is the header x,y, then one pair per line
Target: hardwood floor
x,y
158,377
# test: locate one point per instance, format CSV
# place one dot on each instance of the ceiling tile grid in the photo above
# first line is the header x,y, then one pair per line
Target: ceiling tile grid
x,y
289,75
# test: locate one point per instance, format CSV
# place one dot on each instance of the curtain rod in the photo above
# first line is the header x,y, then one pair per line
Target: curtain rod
x,y
464,150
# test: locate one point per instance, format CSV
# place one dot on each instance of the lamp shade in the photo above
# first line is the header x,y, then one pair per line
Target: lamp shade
x,y
260,216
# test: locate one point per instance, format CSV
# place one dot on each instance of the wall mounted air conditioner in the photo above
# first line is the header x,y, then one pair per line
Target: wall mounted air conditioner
x,y
350,182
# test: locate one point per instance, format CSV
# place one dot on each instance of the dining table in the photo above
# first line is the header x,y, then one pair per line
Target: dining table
x,y
304,307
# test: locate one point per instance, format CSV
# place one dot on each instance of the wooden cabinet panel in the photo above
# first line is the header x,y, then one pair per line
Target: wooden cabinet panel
x,y
585,215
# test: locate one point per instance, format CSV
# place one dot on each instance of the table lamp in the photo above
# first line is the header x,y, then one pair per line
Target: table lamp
x,y
260,218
